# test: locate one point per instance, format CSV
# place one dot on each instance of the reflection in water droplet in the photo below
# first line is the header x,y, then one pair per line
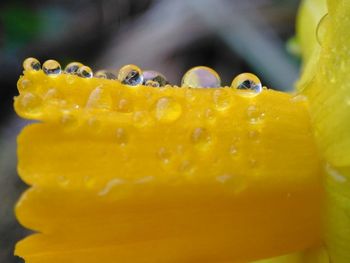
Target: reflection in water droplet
x,y
31,64
321,29
130,75
51,67
167,109
247,82
72,68
104,74
201,77
201,138
85,72
154,79
254,114
222,99
122,137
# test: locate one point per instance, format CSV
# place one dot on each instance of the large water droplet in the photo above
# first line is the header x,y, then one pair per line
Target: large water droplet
x,y
130,75
72,68
104,74
247,82
85,72
31,64
154,79
51,67
201,138
321,29
201,77
167,109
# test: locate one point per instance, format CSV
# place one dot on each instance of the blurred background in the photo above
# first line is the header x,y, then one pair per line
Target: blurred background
x,y
231,36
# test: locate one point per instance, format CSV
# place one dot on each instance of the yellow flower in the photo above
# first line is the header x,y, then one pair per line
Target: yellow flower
x,y
125,174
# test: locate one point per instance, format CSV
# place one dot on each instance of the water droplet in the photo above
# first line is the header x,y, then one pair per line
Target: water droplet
x,y
154,79
186,167
130,75
164,155
124,105
51,67
167,109
104,74
222,99
122,137
201,77
99,99
31,64
85,72
72,68
247,82
254,114
201,138
322,29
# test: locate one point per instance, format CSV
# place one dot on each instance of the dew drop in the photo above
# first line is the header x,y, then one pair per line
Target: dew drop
x,y
51,67
154,79
85,72
31,64
104,74
122,137
248,83
72,68
130,75
321,29
201,77
201,138
254,114
222,99
167,109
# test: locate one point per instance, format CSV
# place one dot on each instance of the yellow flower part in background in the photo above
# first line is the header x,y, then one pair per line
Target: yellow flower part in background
x,y
143,174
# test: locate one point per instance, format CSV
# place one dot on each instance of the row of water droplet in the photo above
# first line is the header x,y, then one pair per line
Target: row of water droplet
x,y
197,77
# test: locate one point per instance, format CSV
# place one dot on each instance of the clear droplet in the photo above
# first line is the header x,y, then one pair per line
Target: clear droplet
x,y
201,77
104,74
254,114
154,79
72,68
122,137
201,138
31,64
85,72
51,67
167,109
321,29
247,82
130,75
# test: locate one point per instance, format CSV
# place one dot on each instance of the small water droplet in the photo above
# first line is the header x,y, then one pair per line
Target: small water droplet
x,y
164,155
248,83
104,74
186,167
201,77
201,138
130,75
72,68
154,79
254,114
167,109
99,99
122,137
85,72
31,64
222,99
124,105
51,67
322,29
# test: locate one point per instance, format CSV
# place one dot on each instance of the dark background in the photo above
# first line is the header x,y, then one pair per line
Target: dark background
x,y
231,36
